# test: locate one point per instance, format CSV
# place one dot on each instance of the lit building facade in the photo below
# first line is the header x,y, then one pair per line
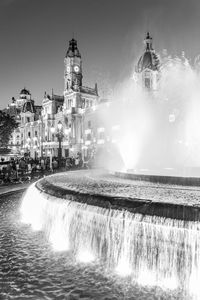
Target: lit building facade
x,y
83,115
79,100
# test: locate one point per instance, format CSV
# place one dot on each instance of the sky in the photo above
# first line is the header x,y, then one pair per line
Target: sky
x,y
34,37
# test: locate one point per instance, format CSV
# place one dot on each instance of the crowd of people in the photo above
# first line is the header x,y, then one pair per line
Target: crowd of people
x,y
25,168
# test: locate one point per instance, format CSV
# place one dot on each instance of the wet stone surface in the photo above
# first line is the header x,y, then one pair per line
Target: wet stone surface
x,y
30,269
107,184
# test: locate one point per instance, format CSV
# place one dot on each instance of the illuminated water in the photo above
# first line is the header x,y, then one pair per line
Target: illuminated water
x,y
144,257
155,132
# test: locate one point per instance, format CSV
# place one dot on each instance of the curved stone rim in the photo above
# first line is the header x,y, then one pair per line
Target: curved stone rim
x,y
132,205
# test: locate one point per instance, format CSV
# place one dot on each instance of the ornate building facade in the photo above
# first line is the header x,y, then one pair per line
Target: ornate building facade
x,y
79,111
148,67
36,134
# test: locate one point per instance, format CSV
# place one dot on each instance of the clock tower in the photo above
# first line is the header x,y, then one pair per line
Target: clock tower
x,y
73,68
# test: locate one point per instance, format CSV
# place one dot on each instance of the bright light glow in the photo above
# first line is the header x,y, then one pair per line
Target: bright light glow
x,y
53,129
87,143
147,278
123,269
94,107
194,284
58,239
84,147
33,208
101,141
169,283
101,129
172,118
60,126
129,149
85,256
87,131
66,131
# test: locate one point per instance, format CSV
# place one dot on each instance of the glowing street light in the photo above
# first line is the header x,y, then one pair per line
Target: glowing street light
x,y
59,135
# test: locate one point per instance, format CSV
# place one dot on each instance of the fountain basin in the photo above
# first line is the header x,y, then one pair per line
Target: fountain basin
x,y
135,195
146,231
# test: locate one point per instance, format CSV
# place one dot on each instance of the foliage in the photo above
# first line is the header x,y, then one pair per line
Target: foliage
x,y
7,125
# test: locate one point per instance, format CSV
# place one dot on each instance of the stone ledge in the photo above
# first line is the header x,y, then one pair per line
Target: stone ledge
x,y
174,180
134,205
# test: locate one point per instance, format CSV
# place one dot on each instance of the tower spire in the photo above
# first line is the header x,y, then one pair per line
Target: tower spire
x,y
73,49
148,42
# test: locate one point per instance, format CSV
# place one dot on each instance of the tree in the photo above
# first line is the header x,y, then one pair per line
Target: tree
x,y
7,125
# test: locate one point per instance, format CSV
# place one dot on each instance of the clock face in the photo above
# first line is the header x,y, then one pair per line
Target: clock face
x,y
76,69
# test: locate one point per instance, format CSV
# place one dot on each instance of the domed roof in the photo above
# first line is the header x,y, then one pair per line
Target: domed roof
x,y
24,91
149,60
28,106
73,49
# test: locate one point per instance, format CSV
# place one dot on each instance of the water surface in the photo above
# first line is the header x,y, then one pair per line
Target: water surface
x,y
31,269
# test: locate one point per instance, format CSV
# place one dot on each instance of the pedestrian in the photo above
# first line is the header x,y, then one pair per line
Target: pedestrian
x,y
54,165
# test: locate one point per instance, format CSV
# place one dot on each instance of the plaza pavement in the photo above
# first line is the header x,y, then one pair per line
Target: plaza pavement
x,y
5,189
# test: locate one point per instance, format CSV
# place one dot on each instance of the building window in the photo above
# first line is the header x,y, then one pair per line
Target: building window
x,y
36,133
28,119
89,124
70,103
29,134
83,103
89,137
101,135
147,83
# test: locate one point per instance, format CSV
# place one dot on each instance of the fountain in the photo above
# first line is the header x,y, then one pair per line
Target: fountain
x,y
147,232
152,243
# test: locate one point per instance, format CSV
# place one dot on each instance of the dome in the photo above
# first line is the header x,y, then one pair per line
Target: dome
x,y
24,92
149,60
28,106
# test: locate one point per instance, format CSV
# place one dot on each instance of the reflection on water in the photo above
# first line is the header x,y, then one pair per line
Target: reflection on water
x,y
29,269
149,257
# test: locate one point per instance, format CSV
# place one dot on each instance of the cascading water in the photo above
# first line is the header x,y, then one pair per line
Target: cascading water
x,y
151,250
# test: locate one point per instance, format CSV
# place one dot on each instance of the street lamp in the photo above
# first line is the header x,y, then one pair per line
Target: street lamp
x,y
59,135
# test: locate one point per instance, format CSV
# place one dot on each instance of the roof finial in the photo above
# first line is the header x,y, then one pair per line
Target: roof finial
x,y
148,42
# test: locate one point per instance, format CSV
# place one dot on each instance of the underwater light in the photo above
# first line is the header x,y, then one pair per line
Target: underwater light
x,y
169,283
123,269
147,278
85,256
32,208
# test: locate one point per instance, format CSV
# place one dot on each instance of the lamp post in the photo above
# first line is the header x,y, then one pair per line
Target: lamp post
x,y
59,135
